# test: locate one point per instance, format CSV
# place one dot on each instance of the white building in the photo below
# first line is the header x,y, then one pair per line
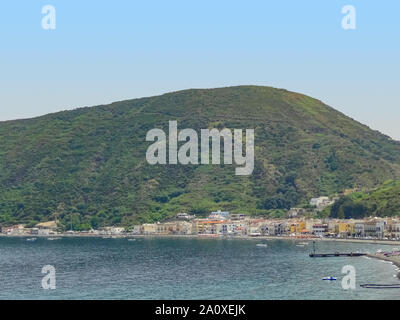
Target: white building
x,y
321,202
184,216
396,230
359,229
137,229
254,231
294,212
374,228
219,215
320,230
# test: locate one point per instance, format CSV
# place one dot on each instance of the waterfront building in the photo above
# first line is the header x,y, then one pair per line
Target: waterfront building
x,y
165,228
206,226
137,229
297,227
268,228
254,231
149,228
344,229
310,223
229,228
117,230
359,229
184,227
33,231
47,228
14,230
280,228
393,229
320,230
374,228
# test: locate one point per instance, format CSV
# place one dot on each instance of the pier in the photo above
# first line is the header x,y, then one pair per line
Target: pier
x,y
336,254
313,254
380,286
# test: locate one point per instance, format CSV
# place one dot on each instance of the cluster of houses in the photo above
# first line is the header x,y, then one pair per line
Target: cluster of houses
x,y
41,229
224,223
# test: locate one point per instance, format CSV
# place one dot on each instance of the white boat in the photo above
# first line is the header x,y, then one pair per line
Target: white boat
x,y
31,239
264,245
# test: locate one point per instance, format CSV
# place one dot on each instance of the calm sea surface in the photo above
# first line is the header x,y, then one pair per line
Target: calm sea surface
x,y
171,268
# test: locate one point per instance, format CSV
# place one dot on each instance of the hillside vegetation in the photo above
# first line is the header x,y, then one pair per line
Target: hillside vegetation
x,y
88,166
383,201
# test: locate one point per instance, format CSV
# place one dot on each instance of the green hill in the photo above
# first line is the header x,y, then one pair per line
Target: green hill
x,y
382,201
88,166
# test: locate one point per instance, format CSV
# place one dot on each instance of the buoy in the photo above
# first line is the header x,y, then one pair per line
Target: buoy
x,y
329,278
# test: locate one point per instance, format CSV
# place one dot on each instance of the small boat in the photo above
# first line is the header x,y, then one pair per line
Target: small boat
x,y
264,245
53,239
329,278
31,239
304,243
131,239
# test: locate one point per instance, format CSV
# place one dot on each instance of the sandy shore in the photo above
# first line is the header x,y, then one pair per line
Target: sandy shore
x,y
395,260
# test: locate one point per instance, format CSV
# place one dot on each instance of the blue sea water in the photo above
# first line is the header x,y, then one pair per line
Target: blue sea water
x,y
186,268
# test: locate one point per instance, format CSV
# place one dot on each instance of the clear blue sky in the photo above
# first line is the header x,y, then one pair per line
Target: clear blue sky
x,y
103,51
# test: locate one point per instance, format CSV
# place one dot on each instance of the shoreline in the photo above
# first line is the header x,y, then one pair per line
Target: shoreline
x,y
129,236
395,260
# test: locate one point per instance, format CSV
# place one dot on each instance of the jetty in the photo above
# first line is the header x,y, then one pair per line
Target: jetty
x,y
380,286
313,254
337,254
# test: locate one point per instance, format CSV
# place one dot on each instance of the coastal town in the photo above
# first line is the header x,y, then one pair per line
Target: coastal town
x,y
225,224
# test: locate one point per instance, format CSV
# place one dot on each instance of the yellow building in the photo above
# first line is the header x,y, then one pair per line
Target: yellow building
x,y
184,227
298,227
344,228
206,226
149,228
167,228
